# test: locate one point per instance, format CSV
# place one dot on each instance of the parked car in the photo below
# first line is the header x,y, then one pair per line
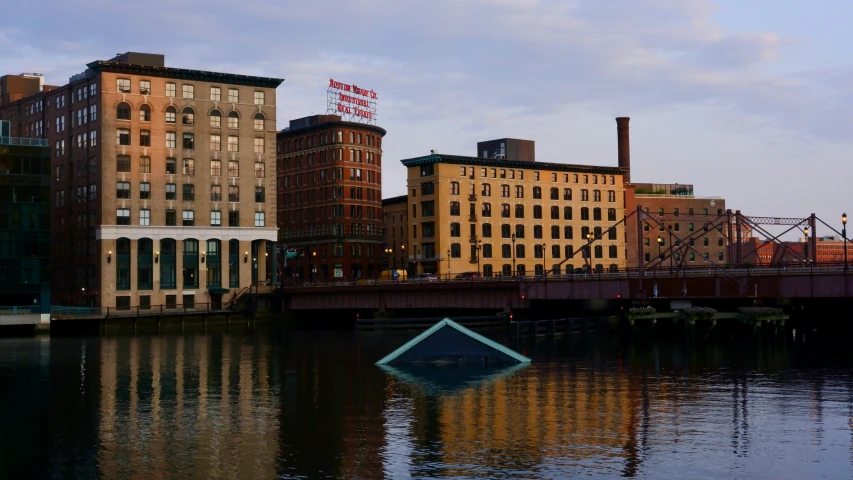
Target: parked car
x,y
395,275
467,275
425,277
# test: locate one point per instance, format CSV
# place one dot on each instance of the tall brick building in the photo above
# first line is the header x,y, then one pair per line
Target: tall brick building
x,y
161,182
330,198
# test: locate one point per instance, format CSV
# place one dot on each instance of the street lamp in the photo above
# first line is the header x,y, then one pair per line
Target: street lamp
x,y
844,236
448,264
660,246
479,246
806,233
671,246
589,237
513,254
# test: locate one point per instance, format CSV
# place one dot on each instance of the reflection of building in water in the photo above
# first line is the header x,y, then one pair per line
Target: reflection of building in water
x,y
196,407
524,419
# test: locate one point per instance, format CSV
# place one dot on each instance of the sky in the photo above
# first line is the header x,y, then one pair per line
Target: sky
x,y
747,100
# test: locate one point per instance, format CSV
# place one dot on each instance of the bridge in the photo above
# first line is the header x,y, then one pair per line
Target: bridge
x,y
518,292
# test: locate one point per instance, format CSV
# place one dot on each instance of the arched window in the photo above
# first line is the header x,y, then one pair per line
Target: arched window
x,y
487,209
519,191
537,212
555,213
188,116
233,263
584,213
568,232
596,214
567,213
519,231
259,121
537,193
538,251
214,263
504,210
584,195
555,232
145,264
233,120
555,193
505,191
596,195
123,111
190,272
614,267
487,190
215,119
519,252
351,137
454,188
611,214
567,194
167,264
519,211
171,115
123,264
340,137
454,209
145,113
555,253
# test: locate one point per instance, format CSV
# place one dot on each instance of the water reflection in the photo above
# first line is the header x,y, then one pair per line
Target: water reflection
x,y
263,404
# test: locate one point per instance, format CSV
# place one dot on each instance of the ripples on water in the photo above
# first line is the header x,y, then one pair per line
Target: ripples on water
x,y
259,404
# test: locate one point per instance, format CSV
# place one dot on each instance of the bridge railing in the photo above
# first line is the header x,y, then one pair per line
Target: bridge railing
x,y
584,274
20,310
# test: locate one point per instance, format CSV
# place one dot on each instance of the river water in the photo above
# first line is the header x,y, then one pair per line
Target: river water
x,y
257,403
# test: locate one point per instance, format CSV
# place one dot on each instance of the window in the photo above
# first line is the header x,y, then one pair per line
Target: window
x,y
233,143
188,116
487,190
122,163
455,230
555,213
170,89
519,231
259,219
171,166
506,231
504,210
189,166
568,232
260,170
260,195
188,192
519,211
537,193
233,120
487,250
259,98
188,91
145,113
505,191
233,95
537,231
487,209
123,85
454,209
454,188
215,119
259,121
215,168
596,214
584,213
259,145
584,195
189,141
487,230
171,140
233,193
427,188
537,212
171,115
455,250
189,218
171,191
215,94
122,190
123,216
519,191
122,136
705,242
144,191
519,253
234,218
215,218
720,256
506,251
233,168
145,217
596,195
144,138
215,142
216,193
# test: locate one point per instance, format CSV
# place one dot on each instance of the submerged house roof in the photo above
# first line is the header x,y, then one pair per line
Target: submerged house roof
x,y
452,379
447,341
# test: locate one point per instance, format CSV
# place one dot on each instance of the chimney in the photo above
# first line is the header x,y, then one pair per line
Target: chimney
x,y
624,139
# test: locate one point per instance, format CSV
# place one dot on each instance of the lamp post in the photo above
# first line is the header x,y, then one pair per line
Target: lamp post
x,y
844,237
589,237
513,254
671,247
313,267
388,251
660,246
448,264
479,246
806,249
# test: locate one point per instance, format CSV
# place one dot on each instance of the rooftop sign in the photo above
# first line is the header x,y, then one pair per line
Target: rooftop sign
x,y
351,102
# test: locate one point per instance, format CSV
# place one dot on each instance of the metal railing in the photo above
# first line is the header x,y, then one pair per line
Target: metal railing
x,y
61,312
20,310
26,142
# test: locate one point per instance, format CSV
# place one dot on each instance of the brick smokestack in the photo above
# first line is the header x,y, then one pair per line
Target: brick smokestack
x,y
624,139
